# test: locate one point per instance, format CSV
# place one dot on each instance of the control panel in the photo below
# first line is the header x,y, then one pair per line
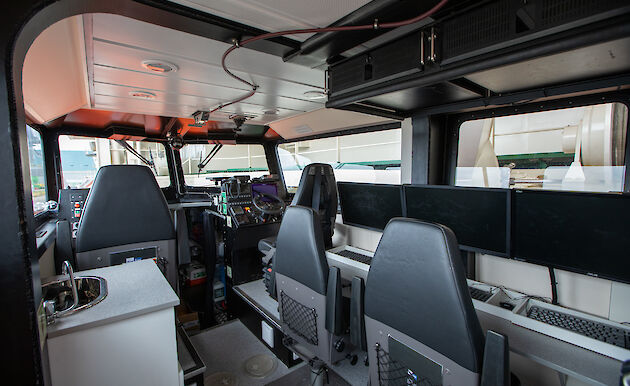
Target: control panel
x,y
236,202
71,204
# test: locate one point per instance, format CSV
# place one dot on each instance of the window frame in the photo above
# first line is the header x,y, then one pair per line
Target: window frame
x,y
40,217
455,121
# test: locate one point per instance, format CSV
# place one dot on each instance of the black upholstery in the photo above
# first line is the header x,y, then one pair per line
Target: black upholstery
x,y
496,361
334,302
125,206
300,252
417,286
318,190
357,321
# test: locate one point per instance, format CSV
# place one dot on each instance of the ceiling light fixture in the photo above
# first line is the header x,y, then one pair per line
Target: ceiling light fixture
x,y
160,66
314,95
142,94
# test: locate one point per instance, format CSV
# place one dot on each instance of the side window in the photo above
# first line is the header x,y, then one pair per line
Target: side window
x,y
368,157
81,157
578,149
38,173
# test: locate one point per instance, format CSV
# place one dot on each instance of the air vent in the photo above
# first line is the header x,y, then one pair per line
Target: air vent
x,y
479,28
271,112
140,94
556,12
160,66
314,95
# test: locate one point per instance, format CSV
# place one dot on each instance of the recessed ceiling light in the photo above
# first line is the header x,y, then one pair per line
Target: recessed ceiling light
x,y
142,94
160,66
313,94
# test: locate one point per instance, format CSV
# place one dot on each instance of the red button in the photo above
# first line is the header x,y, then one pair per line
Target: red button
x,y
77,205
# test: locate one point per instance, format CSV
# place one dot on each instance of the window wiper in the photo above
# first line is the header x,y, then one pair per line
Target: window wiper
x,y
209,157
133,151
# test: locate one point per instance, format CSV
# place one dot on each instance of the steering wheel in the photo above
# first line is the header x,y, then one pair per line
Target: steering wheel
x,y
273,208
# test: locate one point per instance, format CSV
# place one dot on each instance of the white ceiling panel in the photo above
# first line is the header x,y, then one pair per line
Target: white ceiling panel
x,y
106,102
278,15
115,47
107,55
118,98
207,98
172,44
120,45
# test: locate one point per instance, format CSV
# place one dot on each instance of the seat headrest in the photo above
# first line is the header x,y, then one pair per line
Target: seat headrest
x,y
318,187
300,252
124,206
417,285
304,194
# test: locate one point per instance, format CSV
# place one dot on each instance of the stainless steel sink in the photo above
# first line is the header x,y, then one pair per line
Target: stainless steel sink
x,y
90,290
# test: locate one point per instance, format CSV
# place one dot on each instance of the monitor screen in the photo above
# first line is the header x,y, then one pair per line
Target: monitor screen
x,y
581,232
265,188
369,205
479,217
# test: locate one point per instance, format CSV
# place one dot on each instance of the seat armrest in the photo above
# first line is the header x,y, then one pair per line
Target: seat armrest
x,y
496,361
334,302
357,316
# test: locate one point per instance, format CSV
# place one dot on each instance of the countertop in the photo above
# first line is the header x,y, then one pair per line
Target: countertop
x,y
132,289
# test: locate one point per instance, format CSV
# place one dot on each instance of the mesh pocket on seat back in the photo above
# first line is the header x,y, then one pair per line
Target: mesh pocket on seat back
x,y
395,373
299,318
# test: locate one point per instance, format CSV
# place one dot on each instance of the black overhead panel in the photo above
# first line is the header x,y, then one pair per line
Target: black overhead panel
x,y
327,47
470,53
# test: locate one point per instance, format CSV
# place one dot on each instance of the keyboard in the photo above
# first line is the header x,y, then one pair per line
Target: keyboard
x,y
479,294
361,258
602,332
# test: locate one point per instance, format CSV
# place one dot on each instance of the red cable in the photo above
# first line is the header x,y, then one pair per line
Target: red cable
x,y
376,25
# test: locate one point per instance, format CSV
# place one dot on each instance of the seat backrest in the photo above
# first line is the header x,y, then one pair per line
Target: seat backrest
x,y
125,211
300,253
318,190
416,294
301,280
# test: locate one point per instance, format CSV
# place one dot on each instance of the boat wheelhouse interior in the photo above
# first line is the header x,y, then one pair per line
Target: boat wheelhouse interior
x,y
350,192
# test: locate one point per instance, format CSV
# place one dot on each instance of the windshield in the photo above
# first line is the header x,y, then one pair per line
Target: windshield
x,y
81,157
221,161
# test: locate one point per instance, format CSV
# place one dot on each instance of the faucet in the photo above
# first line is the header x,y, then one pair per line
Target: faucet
x,y
66,269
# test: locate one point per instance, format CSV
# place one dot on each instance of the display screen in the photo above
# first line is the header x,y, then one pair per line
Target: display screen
x,y
478,217
265,188
369,205
581,232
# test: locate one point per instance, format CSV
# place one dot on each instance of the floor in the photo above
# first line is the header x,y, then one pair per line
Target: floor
x,y
302,375
226,348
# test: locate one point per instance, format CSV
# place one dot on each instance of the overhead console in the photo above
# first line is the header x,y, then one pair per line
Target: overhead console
x,y
475,53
